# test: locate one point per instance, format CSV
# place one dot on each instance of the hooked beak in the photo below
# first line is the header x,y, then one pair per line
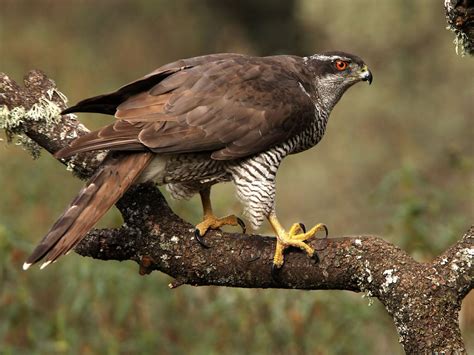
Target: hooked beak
x,y
366,75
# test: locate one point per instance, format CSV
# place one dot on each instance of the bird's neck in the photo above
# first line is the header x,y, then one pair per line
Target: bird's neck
x,y
311,136
328,97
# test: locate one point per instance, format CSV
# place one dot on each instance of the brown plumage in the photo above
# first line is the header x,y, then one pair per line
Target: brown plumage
x,y
114,176
228,106
199,121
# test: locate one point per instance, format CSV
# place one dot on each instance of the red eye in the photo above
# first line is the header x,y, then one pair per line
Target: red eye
x,y
340,65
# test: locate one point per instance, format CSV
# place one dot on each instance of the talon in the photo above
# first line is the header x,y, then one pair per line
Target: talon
x,y
322,243
210,221
303,227
197,235
275,273
241,224
315,257
296,237
325,230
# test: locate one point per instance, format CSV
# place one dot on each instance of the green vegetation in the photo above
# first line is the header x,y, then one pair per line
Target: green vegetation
x,y
396,161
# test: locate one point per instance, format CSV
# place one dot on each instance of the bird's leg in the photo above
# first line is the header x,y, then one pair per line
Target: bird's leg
x,y
295,237
210,221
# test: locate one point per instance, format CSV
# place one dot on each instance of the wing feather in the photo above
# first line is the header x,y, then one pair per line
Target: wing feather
x,y
233,106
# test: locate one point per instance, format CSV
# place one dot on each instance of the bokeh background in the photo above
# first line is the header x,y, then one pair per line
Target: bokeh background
x,y
396,161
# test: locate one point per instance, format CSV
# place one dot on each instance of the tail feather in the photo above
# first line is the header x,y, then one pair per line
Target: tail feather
x,y
116,174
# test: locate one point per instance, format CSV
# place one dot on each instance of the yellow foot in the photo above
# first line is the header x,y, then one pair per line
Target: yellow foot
x,y
295,237
212,222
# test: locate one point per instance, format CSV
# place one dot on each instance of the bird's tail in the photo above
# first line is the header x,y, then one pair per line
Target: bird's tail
x,y
115,175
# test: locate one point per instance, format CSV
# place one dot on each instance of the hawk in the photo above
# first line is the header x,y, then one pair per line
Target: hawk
x,y
200,121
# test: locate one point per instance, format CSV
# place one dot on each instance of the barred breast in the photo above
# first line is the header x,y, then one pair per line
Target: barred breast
x,y
185,174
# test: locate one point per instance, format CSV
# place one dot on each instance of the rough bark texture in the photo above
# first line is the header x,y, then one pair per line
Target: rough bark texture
x,y
460,17
424,299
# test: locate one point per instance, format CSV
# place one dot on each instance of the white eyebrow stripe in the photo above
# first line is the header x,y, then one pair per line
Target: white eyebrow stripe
x,y
329,57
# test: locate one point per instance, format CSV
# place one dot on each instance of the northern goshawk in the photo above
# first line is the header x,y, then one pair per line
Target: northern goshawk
x,y
196,122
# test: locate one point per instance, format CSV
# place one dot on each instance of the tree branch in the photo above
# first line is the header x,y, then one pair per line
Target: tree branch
x,y
460,18
423,298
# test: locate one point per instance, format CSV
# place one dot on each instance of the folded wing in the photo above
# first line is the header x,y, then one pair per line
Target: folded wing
x,y
230,105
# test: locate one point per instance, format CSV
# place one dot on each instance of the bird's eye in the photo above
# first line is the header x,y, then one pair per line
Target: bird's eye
x,y
340,65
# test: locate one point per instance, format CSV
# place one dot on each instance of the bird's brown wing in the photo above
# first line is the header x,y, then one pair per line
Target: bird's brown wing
x,y
233,106
108,103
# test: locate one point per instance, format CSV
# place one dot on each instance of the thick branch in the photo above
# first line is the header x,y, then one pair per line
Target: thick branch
x,y
423,299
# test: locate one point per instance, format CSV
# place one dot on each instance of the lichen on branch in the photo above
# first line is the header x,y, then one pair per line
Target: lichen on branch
x,y
44,113
460,18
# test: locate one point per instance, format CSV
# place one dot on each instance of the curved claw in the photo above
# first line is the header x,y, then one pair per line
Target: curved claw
x,y
242,225
322,243
303,227
275,273
326,231
198,236
315,257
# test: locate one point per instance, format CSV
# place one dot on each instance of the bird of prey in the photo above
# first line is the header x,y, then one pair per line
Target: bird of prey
x,y
199,121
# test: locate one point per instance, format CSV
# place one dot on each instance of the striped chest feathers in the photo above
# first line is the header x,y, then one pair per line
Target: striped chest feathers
x,y
180,168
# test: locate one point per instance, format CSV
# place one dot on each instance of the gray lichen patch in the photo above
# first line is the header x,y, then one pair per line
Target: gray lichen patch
x,y
390,279
461,42
462,264
45,111
45,115
364,280
29,145
459,17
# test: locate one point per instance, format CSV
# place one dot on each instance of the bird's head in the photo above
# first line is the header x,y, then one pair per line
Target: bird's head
x,y
335,72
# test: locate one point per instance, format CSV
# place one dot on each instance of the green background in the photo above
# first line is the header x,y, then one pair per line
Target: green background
x,y
396,161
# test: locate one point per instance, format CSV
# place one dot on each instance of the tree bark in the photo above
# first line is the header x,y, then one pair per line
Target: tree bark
x,y
424,299
460,17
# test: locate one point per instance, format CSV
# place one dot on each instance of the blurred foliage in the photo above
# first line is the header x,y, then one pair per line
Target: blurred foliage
x,y
397,161
418,209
